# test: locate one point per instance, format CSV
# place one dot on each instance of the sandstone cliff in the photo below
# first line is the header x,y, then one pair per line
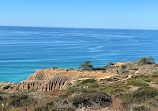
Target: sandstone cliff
x,y
50,79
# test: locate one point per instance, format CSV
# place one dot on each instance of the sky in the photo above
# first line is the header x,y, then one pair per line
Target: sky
x,y
113,14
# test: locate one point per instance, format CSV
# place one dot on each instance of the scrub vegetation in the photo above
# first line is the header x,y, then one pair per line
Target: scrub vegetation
x,y
133,88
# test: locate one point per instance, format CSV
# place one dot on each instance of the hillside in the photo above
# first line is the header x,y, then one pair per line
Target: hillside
x,y
120,86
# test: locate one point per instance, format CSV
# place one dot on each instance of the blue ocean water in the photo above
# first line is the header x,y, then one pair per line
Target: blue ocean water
x,y
23,50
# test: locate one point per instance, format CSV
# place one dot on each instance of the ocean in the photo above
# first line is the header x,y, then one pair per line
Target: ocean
x,y
23,50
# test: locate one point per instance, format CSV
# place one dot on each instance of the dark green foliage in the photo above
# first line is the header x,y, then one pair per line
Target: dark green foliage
x,y
88,81
107,79
123,67
6,87
155,74
142,78
54,67
138,81
1,98
109,64
93,86
90,99
86,66
134,69
71,90
140,108
21,100
2,92
139,96
113,90
50,104
99,68
153,102
148,60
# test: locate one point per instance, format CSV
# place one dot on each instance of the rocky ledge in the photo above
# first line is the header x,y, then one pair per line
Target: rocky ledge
x,y
50,79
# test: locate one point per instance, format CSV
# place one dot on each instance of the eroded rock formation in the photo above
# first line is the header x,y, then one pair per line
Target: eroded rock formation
x,y
50,79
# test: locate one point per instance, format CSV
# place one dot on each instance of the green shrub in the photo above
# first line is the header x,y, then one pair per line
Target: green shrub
x,y
21,100
155,81
1,98
42,108
91,99
109,64
63,109
139,96
113,90
2,92
134,69
148,60
155,75
6,87
153,102
88,81
54,67
106,79
15,109
86,66
71,90
140,108
93,86
143,78
137,82
99,68
50,103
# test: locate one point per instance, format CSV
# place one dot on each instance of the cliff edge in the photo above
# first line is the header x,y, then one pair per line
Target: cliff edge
x,y
50,79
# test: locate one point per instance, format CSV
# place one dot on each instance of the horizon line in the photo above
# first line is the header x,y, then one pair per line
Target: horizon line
x,y
74,27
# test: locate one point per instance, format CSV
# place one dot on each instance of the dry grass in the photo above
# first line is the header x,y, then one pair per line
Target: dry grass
x,y
74,74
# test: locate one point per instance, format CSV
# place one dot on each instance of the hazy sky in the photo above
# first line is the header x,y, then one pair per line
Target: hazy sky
x,y
131,14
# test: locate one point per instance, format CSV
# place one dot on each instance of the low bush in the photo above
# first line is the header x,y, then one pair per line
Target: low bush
x,y
155,81
109,64
91,99
50,104
113,90
153,102
42,108
140,108
1,98
143,78
6,87
88,81
139,96
155,75
93,86
86,66
54,67
14,109
106,79
134,69
21,100
54,108
1,92
99,68
71,90
137,82
148,60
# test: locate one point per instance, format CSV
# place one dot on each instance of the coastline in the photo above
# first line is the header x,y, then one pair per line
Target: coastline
x,y
65,89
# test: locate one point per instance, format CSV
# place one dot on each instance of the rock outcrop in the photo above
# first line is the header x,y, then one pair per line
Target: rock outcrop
x,y
50,79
